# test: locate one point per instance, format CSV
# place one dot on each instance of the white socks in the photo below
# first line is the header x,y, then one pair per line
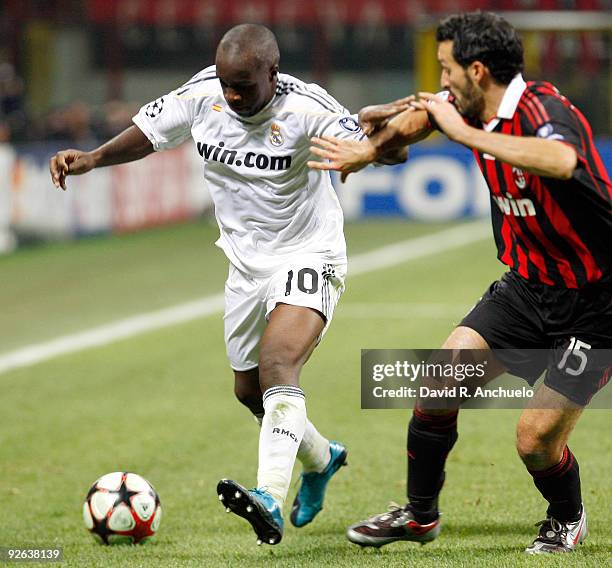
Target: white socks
x,y
314,450
282,430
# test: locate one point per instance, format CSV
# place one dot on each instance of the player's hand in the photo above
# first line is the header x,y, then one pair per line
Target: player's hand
x,y
69,162
444,113
374,117
345,156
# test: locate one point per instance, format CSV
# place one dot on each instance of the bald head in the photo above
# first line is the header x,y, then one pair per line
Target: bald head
x,y
247,67
251,45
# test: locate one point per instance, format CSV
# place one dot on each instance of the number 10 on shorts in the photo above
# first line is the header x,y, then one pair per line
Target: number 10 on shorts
x,y
307,281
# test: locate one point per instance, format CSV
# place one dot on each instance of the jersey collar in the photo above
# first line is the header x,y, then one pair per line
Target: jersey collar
x,y
510,100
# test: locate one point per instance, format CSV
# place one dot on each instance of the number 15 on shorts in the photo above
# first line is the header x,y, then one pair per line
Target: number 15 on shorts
x,y
576,348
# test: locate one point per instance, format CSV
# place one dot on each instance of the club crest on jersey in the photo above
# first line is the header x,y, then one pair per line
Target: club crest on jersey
x,y
154,109
350,124
276,138
519,178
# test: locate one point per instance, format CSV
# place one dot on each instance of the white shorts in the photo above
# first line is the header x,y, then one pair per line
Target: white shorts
x,y
307,281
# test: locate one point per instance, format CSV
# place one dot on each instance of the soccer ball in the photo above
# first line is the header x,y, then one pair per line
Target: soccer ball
x,y
122,507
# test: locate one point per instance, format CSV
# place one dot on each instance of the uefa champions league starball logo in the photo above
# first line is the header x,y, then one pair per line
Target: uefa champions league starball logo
x,y
154,109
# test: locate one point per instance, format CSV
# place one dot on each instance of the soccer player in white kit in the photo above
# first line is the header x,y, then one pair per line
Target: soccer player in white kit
x,y
281,227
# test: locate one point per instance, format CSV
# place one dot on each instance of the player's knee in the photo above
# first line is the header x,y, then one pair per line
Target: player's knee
x,y
536,447
249,396
278,366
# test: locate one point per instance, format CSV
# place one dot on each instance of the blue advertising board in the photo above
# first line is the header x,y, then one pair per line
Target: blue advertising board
x,y
439,182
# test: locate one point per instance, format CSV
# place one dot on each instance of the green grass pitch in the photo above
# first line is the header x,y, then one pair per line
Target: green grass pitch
x,y
161,404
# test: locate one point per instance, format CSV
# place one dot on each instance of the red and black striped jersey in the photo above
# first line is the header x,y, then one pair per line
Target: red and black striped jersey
x,y
557,232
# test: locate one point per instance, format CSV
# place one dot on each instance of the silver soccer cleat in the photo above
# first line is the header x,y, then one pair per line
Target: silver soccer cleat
x,y
557,537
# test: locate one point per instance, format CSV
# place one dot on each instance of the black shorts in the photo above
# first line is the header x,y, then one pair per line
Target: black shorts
x,y
519,317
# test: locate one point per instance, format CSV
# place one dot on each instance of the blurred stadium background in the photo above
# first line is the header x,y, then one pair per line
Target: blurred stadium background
x,y
72,73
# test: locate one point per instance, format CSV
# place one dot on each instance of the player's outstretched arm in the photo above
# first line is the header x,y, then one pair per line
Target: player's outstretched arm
x,y
373,118
550,158
345,156
386,145
128,146
408,127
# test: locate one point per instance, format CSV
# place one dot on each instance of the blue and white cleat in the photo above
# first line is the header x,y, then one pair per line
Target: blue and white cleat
x,y
309,500
256,506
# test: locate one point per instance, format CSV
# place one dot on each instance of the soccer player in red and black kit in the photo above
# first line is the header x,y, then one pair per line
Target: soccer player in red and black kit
x,y
551,211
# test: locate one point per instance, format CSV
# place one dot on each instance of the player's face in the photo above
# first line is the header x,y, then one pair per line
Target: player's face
x,y
246,89
469,98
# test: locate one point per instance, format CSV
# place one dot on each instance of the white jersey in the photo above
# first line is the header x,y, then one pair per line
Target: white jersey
x,y
269,205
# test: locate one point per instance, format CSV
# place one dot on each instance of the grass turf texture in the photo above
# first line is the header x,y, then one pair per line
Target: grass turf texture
x,y
161,404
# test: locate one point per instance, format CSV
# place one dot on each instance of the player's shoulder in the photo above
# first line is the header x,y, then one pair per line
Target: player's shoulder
x,y
544,92
542,102
203,84
542,106
302,97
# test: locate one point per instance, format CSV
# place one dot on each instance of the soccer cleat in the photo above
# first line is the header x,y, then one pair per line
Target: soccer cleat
x,y
309,499
397,524
256,506
556,536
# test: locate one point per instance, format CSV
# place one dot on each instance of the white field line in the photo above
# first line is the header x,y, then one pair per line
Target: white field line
x,y
390,255
419,247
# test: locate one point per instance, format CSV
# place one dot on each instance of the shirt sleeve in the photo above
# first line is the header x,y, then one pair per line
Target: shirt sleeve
x,y
325,116
166,121
338,125
555,120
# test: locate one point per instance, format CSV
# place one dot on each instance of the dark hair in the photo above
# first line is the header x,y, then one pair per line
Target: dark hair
x,y
484,37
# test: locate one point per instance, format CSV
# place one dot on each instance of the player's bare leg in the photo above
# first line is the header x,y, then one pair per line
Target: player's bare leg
x,y
289,340
541,440
432,433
